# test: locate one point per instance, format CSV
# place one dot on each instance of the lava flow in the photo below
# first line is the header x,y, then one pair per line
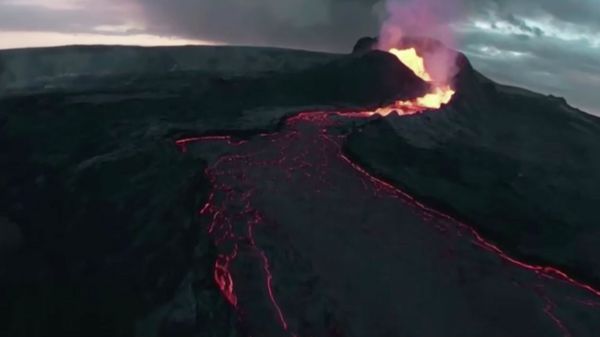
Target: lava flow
x,y
264,186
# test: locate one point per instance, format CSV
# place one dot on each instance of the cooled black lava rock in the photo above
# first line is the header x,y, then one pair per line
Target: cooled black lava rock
x,y
365,45
10,237
370,79
373,78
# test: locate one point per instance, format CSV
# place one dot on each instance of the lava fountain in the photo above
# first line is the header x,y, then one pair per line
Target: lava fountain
x,y
439,95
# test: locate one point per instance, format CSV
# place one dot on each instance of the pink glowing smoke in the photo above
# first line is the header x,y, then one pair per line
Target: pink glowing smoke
x,y
418,23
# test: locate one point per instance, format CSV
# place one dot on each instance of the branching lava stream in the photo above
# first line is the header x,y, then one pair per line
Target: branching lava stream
x,y
259,214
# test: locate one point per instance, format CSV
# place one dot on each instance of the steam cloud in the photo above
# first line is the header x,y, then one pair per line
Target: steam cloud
x,y
426,19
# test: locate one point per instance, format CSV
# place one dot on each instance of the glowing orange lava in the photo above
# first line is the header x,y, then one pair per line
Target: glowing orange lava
x,y
440,94
412,60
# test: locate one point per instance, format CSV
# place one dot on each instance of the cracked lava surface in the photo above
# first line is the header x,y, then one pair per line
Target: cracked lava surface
x,y
310,244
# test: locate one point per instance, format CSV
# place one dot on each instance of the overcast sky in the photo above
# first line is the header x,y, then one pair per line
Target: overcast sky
x,y
550,46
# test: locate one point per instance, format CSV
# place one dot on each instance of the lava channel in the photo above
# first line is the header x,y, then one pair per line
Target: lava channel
x,y
311,244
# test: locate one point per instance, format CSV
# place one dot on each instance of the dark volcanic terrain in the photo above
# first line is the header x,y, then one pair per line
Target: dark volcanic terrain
x,y
216,191
522,167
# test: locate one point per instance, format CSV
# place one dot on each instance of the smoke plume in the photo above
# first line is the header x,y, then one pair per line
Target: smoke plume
x,y
426,19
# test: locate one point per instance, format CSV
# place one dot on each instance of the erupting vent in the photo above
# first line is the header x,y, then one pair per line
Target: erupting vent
x,y
439,95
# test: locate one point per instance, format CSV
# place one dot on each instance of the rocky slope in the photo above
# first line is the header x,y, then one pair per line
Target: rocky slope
x,y
520,166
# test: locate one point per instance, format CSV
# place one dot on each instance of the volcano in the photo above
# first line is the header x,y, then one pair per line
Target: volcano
x,y
235,191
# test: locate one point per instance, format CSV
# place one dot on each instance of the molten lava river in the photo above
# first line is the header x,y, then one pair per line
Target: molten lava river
x,y
310,244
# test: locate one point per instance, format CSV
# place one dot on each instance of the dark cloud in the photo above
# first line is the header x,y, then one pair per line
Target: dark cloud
x,y
578,12
84,17
547,65
311,24
523,26
548,46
